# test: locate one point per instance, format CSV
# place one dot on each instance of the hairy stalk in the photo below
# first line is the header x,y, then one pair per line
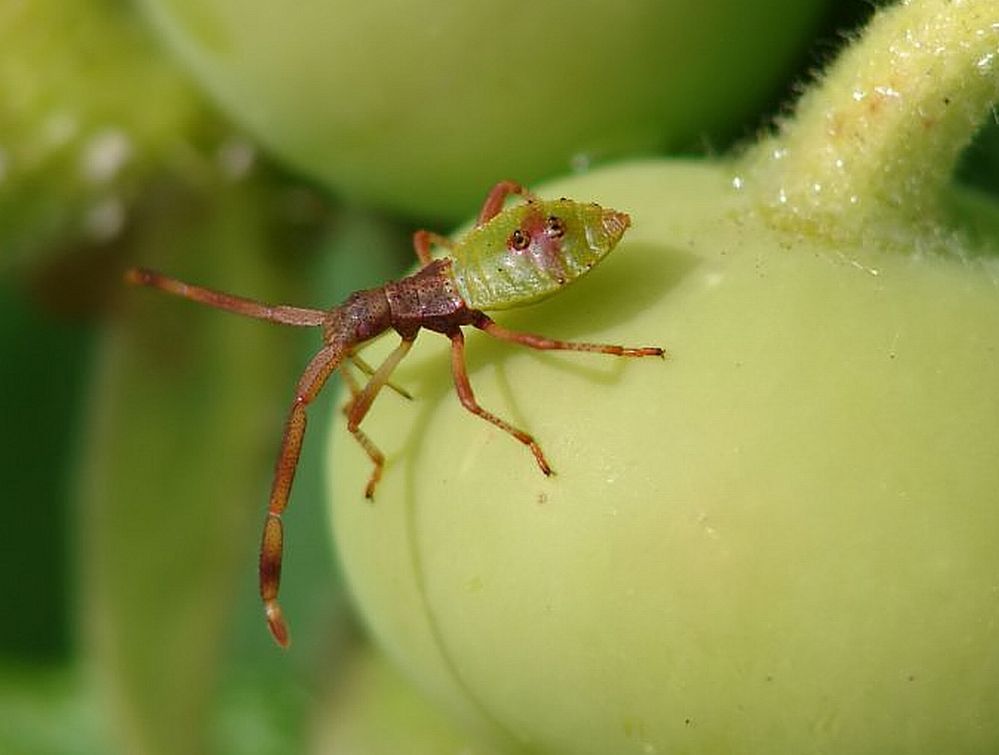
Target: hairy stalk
x,y
873,146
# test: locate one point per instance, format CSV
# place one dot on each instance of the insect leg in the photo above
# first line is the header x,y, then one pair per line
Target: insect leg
x,y
351,381
280,313
320,368
423,242
368,370
467,398
534,341
376,456
361,403
497,196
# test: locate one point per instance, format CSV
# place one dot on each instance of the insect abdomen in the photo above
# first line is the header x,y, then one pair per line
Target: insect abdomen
x,y
486,282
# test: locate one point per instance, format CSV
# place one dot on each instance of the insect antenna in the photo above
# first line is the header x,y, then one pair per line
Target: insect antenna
x,y
280,313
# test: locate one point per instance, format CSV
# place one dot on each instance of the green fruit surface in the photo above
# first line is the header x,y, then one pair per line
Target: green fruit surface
x,y
421,106
781,540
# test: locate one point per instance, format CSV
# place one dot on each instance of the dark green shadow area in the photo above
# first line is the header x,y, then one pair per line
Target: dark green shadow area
x,y
43,373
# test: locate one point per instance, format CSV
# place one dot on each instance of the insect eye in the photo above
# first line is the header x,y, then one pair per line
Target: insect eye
x,y
554,227
520,240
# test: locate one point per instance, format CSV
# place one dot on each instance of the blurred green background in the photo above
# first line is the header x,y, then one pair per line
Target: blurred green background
x,y
139,431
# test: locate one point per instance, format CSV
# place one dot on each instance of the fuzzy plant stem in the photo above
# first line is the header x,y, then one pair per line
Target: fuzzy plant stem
x,y
874,144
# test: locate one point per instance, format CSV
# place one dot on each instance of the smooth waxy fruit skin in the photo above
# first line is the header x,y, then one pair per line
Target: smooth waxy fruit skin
x,y
782,539
421,106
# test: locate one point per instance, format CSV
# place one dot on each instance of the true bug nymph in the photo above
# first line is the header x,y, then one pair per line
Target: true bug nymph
x,y
512,257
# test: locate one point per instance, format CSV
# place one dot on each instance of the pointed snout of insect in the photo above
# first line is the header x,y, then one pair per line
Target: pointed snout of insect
x,y
615,223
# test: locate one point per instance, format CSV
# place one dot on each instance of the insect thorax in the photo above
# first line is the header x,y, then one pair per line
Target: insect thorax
x,y
427,299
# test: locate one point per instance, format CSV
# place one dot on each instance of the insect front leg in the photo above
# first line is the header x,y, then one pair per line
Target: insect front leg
x,y
423,243
497,196
361,403
467,398
534,341
272,543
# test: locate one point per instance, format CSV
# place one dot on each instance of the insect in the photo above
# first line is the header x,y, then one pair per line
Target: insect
x,y
512,257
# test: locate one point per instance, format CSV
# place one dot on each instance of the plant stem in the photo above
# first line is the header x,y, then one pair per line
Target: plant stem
x,y
874,144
